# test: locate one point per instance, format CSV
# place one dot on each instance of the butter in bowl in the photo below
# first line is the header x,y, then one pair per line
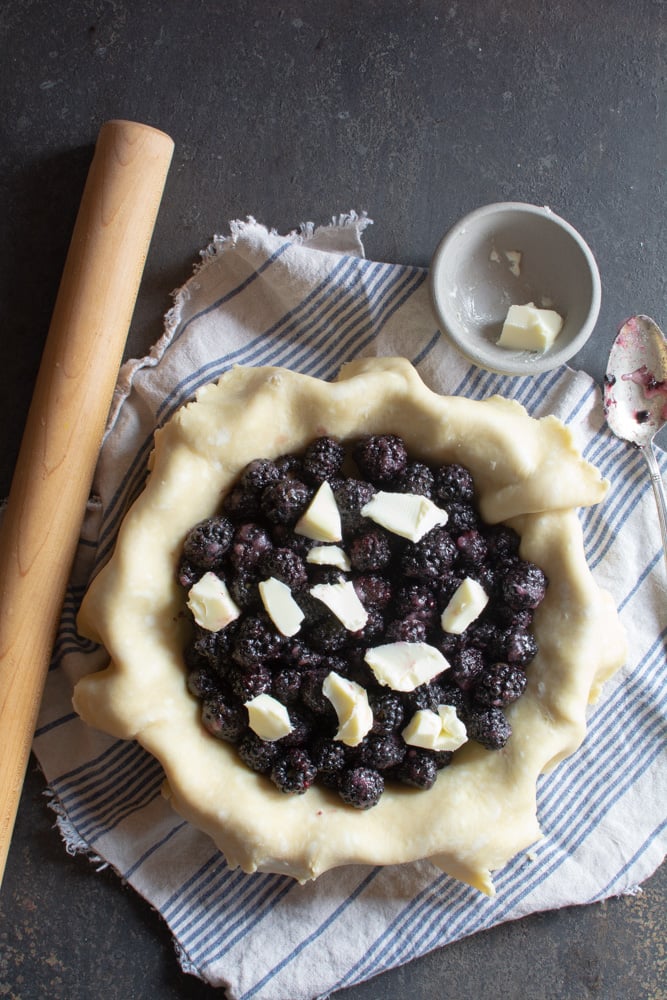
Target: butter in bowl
x,y
515,288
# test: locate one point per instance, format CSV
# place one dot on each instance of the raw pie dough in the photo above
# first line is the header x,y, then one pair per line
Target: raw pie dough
x,y
482,809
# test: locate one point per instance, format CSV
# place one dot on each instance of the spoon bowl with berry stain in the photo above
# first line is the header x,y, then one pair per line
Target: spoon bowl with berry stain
x,y
635,395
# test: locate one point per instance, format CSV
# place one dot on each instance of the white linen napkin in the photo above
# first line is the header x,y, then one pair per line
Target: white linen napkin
x,y
311,301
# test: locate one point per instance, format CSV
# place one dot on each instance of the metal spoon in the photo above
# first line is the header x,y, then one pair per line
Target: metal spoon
x,y
635,396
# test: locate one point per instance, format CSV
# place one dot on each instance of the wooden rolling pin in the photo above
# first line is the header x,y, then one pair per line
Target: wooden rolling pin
x,y
65,425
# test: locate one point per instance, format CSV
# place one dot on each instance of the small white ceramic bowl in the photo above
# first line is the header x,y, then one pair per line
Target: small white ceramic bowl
x,y
506,254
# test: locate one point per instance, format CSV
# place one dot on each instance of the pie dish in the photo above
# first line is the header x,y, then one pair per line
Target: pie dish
x,y
482,809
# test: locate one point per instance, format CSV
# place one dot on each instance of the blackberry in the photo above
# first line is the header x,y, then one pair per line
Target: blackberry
x,y
302,730
286,566
249,681
249,545
311,691
259,755
188,574
452,695
203,683
373,590
286,685
442,759
430,557
410,629
328,756
453,482
467,665
356,669
337,663
330,636
472,547
499,685
374,628
290,467
483,574
502,542
351,495
483,634
205,545
418,769
293,771
388,712
447,584
244,591
214,647
370,551
285,501
490,728
416,478
521,618
325,574
323,459
315,612
517,646
256,641
460,516
380,751
296,653
224,718
416,599
381,457
259,474
448,643
361,787
426,696
242,503
524,586
285,538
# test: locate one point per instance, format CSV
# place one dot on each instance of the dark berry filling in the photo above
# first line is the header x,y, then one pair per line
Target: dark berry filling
x,y
404,586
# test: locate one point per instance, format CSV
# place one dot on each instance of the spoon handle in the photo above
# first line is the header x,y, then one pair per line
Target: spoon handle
x,y
658,491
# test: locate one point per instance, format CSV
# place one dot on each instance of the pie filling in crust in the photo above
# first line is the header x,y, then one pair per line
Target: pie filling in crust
x,y
477,808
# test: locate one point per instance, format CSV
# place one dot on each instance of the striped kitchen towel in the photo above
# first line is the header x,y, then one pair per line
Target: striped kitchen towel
x,y
311,301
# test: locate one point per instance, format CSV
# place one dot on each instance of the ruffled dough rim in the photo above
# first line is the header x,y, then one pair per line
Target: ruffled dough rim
x,y
482,810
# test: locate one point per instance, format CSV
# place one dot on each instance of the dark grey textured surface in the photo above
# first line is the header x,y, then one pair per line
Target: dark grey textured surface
x,y
416,112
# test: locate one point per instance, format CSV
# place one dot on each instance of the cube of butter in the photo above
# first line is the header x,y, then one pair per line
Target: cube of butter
x,y
527,328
